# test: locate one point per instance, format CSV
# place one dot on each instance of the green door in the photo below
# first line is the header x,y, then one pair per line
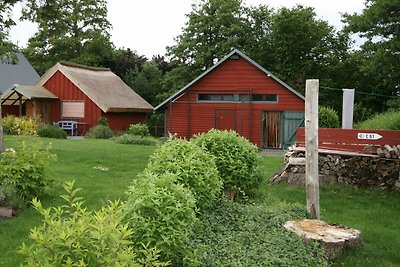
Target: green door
x,y
291,120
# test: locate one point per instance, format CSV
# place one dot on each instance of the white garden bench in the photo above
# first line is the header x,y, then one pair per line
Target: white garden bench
x,y
68,126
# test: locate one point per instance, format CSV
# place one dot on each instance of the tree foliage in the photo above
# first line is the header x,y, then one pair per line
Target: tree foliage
x,y
214,27
379,58
6,46
145,80
73,30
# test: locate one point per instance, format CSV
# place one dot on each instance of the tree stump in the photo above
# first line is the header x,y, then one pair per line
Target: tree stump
x,y
334,238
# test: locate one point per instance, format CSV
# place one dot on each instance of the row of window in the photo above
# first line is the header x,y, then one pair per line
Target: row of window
x,y
267,98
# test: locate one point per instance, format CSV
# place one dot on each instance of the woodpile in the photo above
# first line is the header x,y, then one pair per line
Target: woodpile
x,y
375,167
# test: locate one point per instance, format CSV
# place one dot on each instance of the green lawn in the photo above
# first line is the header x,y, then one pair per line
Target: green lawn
x,y
77,160
375,213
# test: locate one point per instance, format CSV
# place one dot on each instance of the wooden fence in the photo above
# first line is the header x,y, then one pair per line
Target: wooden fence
x,y
350,140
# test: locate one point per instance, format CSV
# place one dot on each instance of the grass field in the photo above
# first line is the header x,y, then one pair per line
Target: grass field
x,y
104,169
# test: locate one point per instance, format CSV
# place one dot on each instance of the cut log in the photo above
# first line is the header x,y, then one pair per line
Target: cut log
x,y
335,239
389,149
297,161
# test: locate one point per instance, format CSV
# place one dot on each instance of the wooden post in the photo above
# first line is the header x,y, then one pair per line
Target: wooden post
x,y
311,135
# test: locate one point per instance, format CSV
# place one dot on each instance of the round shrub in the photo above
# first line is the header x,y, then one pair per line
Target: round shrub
x,y
99,132
195,169
51,131
238,160
161,212
328,118
139,129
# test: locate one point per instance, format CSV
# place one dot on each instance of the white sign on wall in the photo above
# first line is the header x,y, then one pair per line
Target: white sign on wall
x,y
369,136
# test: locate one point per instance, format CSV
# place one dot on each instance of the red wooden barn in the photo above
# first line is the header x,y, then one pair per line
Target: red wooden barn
x,y
236,93
84,94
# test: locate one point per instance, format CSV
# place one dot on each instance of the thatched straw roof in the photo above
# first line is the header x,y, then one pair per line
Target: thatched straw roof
x,y
102,86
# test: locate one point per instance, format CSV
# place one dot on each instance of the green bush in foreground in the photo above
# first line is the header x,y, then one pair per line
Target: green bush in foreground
x,y
237,160
73,236
137,140
139,129
161,212
328,118
23,171
385,121
99,132
51,131
236,234
194,168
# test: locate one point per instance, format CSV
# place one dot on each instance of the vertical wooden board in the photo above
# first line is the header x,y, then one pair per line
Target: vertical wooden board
x,y
311,129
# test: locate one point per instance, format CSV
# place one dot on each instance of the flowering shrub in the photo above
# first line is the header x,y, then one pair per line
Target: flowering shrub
x,y
24,170
20,125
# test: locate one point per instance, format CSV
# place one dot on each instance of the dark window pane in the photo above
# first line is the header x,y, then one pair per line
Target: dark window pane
x,y
265,98
215,97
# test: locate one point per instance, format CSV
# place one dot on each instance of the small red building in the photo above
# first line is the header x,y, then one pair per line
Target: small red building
x,y
236,93
84,94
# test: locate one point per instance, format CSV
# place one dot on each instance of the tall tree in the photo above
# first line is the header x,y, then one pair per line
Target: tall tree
x,y
73,30
146,81
379,56
214,27
125,60
6,46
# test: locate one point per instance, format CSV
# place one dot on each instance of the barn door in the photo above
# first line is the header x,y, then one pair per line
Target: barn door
x,y
271,125
225,119
45,111
291,121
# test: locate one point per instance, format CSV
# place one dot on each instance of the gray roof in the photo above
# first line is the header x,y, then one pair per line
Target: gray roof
x,y
21,73
241,54
11,96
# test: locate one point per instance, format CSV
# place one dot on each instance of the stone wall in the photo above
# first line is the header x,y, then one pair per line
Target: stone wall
x,y
356,170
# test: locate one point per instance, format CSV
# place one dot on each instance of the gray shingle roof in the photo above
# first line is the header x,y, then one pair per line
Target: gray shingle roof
x,y
21,73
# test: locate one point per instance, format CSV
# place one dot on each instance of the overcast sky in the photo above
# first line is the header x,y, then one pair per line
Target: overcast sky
x,y
149,26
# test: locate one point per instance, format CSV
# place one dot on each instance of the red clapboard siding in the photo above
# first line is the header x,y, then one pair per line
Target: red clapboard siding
x,y
64,89
186,116
347,139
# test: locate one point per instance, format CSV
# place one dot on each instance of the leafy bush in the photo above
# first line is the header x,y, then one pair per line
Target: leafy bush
x,y
20,125
328,118
51,131
195,169
161,212
99,132
24,171
385,121
137,140
73,236
235,234
139,129
237,160
102,121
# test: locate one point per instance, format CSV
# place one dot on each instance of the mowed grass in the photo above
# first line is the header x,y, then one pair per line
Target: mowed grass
x,y
104,169
375,213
